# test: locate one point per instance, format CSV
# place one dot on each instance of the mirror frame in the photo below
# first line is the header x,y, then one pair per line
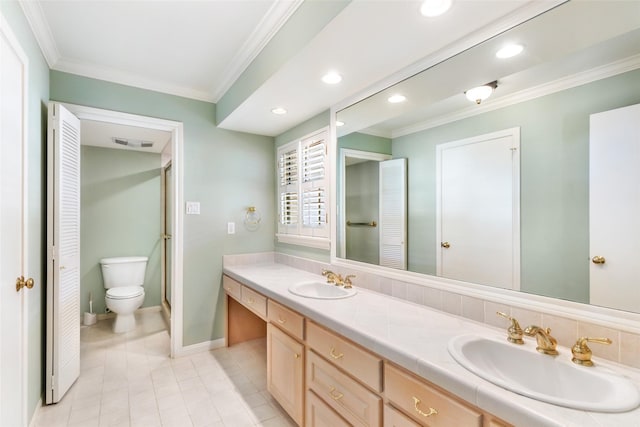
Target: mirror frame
x,y
624,321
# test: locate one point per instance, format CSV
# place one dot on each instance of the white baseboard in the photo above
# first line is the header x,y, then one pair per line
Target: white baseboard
x,y
200,347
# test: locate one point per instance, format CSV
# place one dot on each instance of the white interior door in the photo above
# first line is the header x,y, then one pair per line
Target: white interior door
x,y
393,213
478,201
614,208
13,209
63,266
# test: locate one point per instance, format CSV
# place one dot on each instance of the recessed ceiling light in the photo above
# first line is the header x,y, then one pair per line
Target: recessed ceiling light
x,y
431,8
332,78
339,123
394,99
509,51
279,111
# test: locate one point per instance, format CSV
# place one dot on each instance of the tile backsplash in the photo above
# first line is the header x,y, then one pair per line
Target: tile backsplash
x,y
624,350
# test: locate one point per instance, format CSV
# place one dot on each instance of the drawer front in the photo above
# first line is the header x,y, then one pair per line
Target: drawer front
x,y
255,302
347,397
427,405
358,362
321,415
286,319
231,287
395,418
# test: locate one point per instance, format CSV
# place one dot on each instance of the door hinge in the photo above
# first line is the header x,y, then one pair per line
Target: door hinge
x,y
53,378
53,253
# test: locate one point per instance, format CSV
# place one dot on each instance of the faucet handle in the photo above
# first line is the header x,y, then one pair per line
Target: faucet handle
x,y
347,281
581,351
514,331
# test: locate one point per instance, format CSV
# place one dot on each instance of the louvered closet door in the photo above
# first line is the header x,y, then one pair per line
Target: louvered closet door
x,y
393,213
63,269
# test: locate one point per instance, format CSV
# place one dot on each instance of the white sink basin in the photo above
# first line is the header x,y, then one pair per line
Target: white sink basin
x,y
321,290
549,379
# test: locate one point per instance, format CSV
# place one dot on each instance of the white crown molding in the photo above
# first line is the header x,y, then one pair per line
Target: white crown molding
x,y
101,72
41,30
271,23
568,82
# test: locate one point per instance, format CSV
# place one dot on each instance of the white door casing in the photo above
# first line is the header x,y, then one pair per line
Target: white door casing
x,y
393,213
63,252
614,208
478,209
13,227
177,204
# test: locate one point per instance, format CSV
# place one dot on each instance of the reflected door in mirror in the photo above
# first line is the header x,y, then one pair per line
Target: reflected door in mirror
x,y
614,208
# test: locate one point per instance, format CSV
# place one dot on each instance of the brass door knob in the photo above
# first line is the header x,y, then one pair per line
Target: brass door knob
x,y
598,259
21,283
445,245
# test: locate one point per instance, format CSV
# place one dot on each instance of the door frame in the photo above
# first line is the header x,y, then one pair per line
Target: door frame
x,y
341,208
177,159
7,33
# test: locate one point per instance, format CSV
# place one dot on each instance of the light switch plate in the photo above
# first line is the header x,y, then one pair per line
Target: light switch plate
x,y
231,228
193,208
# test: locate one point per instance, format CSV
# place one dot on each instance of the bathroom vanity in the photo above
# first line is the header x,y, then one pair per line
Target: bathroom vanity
x,y
374,360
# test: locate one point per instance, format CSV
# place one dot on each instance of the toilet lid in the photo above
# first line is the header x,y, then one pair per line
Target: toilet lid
x,y
122,292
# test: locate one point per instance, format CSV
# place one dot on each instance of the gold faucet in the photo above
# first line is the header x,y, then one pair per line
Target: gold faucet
x,y
333,277
347,281
546,343
514,331
582,353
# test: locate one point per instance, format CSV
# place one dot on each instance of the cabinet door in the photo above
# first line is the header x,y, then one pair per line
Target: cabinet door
x,y
321,415
285,371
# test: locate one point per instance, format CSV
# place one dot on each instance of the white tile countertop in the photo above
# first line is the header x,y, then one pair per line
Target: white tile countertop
x,y
416,337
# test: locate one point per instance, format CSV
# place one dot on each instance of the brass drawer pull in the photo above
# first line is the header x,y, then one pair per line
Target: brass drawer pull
x,y
334,395
281,320
416,402
333,354
296,356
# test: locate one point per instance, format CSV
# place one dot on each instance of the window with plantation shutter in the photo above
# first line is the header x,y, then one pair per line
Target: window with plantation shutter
x,y
303,197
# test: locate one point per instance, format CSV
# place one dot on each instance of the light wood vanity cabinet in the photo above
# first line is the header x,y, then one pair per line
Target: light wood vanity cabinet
x,y
322,379
319,414
285,372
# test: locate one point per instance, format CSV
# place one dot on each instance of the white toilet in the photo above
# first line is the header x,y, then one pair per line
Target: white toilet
x,y
123,279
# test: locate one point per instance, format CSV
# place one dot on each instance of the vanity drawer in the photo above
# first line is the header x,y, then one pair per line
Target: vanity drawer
x,y
254,302
358,362
231,287
417,398
285,319
346,396
395,418
321,415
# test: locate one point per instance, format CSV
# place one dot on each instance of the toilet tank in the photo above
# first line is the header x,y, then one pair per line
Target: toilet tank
x,y
123,271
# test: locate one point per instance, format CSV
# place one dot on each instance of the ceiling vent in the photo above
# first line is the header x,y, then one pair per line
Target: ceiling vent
x,y
134,143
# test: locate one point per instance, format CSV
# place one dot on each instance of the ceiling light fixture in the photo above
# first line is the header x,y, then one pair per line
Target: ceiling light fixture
x,y
431,8
509,51
480,93
279,111
394,99
332,78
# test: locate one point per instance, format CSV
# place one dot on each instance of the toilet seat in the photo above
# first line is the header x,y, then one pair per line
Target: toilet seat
x,y
125,292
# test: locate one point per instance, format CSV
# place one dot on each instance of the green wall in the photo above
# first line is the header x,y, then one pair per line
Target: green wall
x,y
554,182
36,167
225,171
120,216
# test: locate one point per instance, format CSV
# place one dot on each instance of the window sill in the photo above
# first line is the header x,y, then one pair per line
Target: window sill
x,y
312,242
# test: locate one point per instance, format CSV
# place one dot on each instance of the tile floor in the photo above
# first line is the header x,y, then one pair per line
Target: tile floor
x,y
129,380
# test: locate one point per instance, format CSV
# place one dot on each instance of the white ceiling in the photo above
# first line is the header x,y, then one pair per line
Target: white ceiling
x,y
197,49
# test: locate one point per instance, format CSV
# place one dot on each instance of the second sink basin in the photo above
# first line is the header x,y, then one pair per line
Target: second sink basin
x,y
319,290
549,379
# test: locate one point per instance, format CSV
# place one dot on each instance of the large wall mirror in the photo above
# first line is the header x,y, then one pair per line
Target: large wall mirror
x,y
535,188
